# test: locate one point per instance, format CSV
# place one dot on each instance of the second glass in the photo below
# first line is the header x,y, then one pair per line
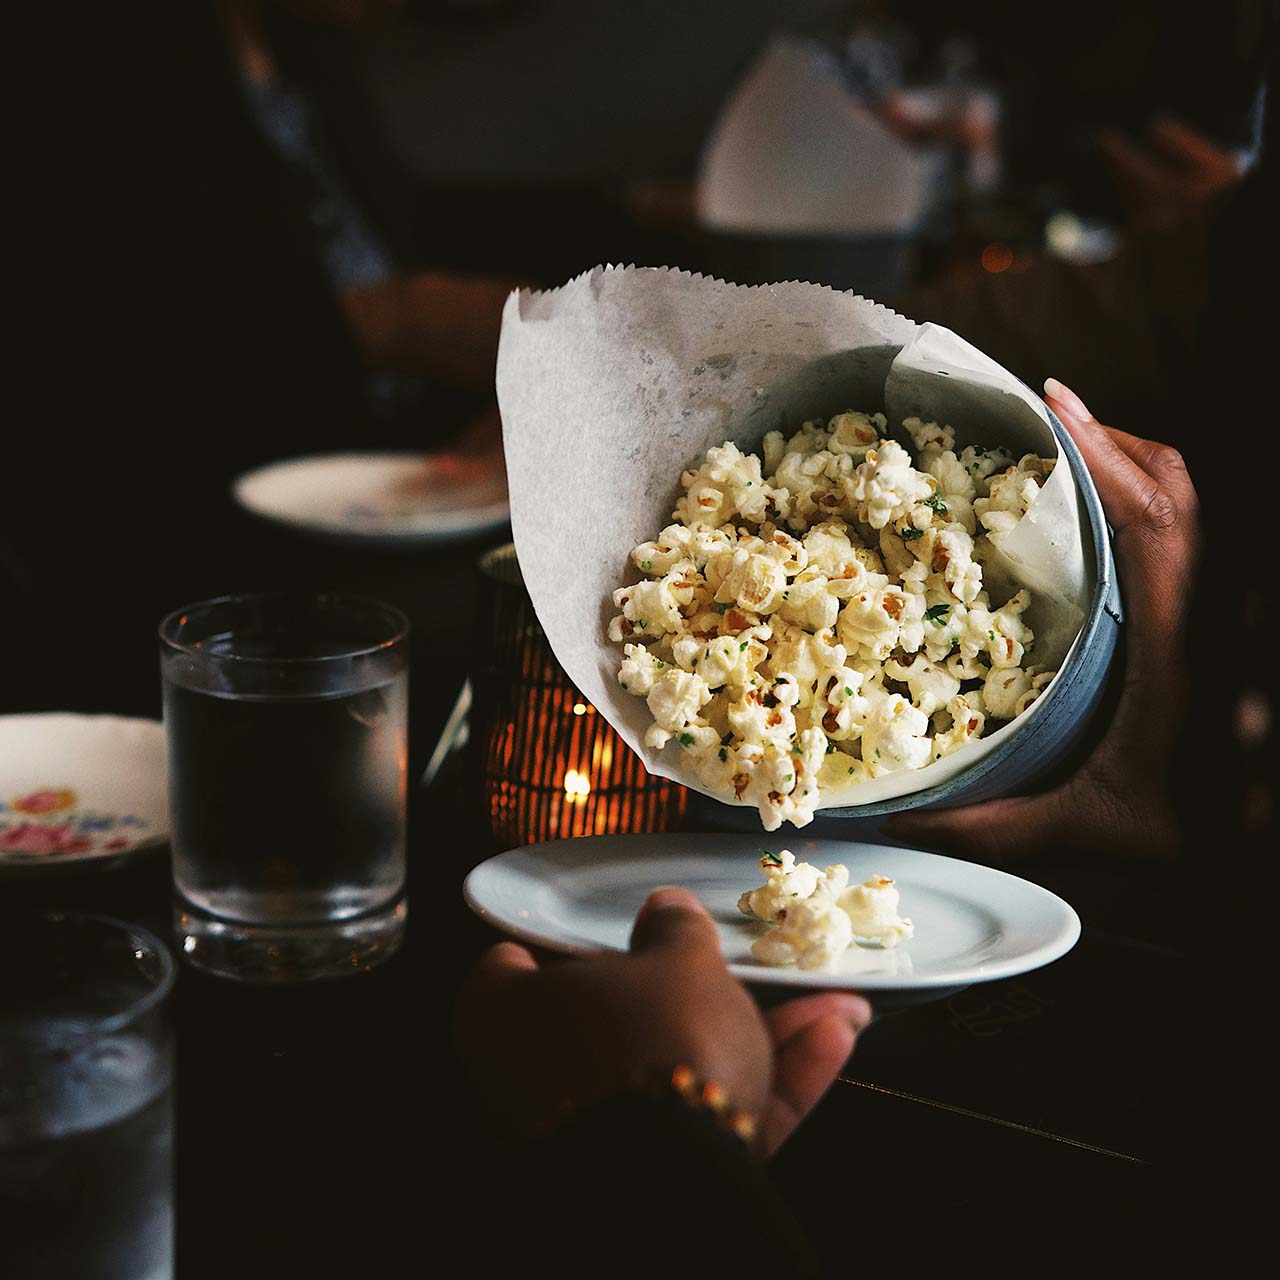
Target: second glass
x,y
86,1099
287,726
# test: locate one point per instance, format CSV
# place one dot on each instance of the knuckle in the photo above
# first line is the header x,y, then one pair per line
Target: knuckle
x,y
1104,808
1110,803
1160,509
1165,458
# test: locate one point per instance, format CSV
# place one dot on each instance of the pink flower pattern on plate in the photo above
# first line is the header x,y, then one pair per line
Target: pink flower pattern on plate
x,y
71,833
39,837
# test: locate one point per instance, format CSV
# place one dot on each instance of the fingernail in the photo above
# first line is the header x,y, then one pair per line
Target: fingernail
x,y
858,1012
1067,398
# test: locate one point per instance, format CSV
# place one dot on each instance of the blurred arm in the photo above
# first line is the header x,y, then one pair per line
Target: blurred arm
x,y
437,325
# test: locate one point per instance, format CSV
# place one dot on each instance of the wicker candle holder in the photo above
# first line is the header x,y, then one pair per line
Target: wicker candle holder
x,y
553,765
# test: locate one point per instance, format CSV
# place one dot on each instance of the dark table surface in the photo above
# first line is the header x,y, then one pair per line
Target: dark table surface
x,y
314,1122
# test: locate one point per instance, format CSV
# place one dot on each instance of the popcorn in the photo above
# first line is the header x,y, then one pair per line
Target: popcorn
x,y
894,736
872,911
677,542
982,464
1010,495
805,656
784,781
954,481
674,701
812,934
872,620
814,484
930,439
760,716
967,721
1038,682
1008,691
729,660
949,552
729,483
842,710
852,434
811,438
785,879
755,582
639,670
654,608
931,685
820,618
894,553
808,603
1009,637
886,485
814,916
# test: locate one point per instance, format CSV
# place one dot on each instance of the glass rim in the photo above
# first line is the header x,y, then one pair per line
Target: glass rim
x,y
140,936
175,617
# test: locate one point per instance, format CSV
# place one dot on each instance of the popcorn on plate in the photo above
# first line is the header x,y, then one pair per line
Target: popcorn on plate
x,y
815,916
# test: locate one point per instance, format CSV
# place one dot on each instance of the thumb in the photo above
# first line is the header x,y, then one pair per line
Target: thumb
x,y
1143,486
674,918
487,990
498,967
997,831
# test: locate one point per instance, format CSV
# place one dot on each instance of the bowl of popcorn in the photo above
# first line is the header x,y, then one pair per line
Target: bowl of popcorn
x,y
818,579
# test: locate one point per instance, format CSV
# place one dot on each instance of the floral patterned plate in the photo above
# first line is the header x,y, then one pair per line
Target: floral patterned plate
x,y
77,788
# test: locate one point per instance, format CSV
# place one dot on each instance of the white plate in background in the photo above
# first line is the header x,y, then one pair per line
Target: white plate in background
x,y
972,923
80,788
388,499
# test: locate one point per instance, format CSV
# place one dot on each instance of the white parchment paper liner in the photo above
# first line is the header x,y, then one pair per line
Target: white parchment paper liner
x,y
612,385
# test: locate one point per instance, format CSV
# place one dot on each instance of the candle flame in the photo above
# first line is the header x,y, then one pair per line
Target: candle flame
x,y
577,786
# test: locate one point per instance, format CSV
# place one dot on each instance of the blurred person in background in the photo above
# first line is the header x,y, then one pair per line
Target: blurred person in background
x,y
415,330
1038,181
839,149
1122,132
219,271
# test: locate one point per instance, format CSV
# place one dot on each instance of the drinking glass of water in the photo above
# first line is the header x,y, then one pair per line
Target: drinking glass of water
x,y
86,1100
286,719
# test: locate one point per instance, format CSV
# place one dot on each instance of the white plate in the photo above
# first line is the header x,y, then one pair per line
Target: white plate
x,y
972,923
391,499
76,788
